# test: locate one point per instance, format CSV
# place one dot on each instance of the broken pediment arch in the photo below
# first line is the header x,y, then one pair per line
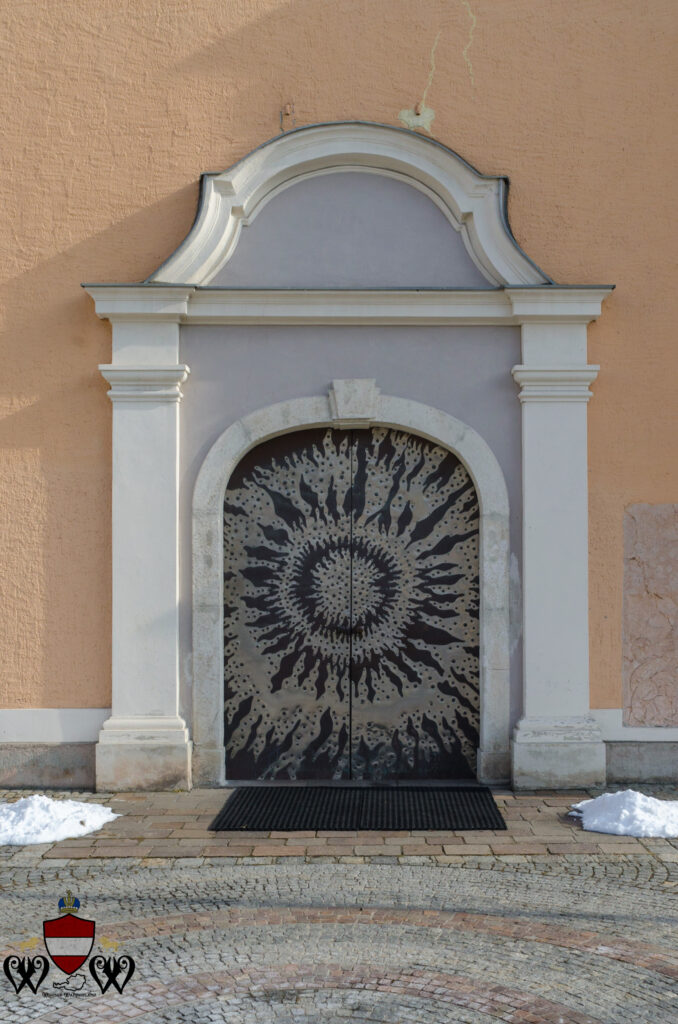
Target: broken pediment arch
x,y
348,206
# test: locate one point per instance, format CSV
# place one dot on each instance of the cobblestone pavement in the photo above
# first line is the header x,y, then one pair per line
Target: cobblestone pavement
x,y
471,938
491,938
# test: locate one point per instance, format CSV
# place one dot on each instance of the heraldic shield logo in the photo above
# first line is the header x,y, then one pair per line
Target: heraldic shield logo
x,y
69,939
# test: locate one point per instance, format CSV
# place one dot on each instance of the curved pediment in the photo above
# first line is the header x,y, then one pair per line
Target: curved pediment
x,y
354,230
348,206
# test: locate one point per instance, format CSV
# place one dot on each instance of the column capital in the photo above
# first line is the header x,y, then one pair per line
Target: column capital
x,y
141,303
562,304
144,383
555,383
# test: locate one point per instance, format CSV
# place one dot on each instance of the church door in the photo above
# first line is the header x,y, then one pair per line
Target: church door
x,y
351,610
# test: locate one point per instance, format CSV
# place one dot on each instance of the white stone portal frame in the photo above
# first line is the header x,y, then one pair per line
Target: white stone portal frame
x,y
145,743
349,404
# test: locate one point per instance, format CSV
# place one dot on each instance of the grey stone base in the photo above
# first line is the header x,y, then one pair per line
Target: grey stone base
x,y
642,762
494,767
156,766
535,766
563,753
208,766
559,766
47,765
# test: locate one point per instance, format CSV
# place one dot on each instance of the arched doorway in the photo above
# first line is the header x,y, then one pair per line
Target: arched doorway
x,y
350,405
351,609
168,610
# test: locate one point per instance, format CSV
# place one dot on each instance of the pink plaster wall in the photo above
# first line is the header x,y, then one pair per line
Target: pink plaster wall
x,y
109,113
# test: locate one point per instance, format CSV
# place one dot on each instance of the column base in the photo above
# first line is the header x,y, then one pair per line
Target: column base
x,y
143,753
558,753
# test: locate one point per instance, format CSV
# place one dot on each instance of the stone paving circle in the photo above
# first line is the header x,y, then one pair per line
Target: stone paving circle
x,y
583,930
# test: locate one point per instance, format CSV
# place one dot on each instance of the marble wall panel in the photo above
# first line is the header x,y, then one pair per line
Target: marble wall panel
x,y
650,623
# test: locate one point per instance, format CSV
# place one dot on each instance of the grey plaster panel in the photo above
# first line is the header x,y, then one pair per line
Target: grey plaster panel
x,y
464,371
350,230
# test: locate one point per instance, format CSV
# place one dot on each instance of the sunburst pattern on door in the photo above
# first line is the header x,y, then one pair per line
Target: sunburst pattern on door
x,y
351,609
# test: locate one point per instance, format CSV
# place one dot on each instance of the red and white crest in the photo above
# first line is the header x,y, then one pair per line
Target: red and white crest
x,y
69,941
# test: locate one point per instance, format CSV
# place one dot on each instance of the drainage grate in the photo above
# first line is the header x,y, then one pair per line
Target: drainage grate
x,y
345,808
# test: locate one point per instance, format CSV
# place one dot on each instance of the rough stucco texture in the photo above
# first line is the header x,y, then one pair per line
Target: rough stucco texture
x,y
651,615
110,111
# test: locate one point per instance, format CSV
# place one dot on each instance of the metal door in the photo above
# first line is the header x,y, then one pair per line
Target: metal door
x,y
351,610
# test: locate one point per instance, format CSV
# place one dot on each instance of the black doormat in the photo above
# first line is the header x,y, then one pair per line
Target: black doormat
x,y
346,808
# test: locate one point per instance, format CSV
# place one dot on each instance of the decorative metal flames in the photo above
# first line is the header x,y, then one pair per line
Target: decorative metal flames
x,y
351,606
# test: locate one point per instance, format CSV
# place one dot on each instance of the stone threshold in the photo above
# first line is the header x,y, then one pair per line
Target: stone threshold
x,y
160,827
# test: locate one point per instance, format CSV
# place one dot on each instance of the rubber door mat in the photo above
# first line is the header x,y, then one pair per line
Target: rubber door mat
x,y
346,808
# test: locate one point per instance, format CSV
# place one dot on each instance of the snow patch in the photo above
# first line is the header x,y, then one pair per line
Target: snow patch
x,y
39,819
629,813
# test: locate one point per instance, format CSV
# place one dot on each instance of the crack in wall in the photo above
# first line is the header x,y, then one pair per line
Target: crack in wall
x,y
432,69
469,43
422,116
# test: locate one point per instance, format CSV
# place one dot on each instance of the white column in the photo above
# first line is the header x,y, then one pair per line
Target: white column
x,y
557,743
145,744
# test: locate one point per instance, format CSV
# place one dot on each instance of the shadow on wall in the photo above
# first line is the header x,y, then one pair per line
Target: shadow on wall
x,y
55,447
55,425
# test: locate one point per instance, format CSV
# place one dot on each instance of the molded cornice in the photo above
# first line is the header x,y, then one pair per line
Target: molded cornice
x,y
186,304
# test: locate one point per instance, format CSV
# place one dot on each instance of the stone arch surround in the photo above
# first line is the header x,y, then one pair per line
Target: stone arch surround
x,y
355,403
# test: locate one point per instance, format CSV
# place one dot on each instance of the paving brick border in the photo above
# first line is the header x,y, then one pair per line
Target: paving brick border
x,y
653,958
